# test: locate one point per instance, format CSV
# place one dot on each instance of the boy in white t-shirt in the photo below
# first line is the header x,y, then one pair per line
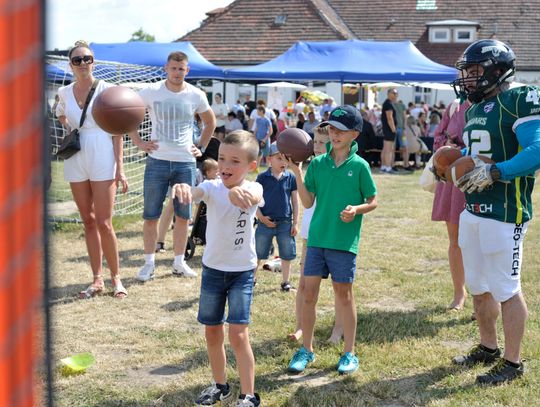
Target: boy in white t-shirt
x,y
229,262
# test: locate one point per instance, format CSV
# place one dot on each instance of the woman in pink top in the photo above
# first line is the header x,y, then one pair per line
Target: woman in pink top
x,y
449,201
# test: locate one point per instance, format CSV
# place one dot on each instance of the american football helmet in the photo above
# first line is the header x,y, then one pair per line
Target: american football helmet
x,y
498,63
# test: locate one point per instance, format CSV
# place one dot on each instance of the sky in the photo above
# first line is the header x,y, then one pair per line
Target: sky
x,y
115,20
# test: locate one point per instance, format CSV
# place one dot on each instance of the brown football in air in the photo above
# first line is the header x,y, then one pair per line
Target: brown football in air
x,y
443,158
462,166
118,110
295,143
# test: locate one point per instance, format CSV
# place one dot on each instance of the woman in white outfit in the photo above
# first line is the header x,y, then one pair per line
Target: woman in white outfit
x,y
94,172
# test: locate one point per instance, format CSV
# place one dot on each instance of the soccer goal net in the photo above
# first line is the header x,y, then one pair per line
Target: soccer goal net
x,y
61,207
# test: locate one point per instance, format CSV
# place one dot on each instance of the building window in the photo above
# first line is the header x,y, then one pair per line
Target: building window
x,y
464,34
439,35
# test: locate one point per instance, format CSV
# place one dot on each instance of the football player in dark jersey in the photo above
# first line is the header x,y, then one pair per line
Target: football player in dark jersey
x,y
504,124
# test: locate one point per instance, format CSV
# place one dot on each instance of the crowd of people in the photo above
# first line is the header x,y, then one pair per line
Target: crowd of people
x,y
337,189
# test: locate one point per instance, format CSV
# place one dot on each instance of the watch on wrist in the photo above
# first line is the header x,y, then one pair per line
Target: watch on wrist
x,y
494,172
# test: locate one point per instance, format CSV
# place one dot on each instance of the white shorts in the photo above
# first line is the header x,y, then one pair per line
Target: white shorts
x,y
492,255
95,161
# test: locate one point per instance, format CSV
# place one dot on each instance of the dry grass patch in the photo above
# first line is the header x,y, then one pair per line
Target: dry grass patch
x,y
150,350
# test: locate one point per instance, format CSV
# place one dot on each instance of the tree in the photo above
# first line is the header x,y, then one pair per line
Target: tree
x,y
141,35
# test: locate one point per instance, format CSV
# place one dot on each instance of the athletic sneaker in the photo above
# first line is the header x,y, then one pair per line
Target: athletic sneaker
x,y
347,364
214,394
300,360
248,401
501,373
160,247
409,168
146,272
478,354
183,270
286,286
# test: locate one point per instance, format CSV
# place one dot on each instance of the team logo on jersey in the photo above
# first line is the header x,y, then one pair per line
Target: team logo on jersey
x,y
489,107
350,174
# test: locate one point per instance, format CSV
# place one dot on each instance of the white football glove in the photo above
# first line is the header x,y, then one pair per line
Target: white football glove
x,y
476,180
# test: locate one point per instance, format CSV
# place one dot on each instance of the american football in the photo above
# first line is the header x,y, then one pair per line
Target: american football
x,y
462,166
443,158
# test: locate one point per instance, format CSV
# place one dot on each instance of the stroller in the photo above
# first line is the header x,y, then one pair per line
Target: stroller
x,y
198,232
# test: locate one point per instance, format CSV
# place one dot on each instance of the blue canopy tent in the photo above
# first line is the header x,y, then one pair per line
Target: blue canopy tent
x,y
350,60
155,54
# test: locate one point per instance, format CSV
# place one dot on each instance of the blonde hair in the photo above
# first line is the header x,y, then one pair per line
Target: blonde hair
x,y
208,165
245,141
79,44
321,132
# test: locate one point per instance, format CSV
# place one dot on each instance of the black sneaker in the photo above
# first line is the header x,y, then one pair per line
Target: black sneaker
x,y
160,247
286,286
409,168
501,373
478,354
214,394
248,401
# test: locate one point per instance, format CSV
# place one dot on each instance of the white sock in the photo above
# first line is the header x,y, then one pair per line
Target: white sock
x,y
149,258
179,259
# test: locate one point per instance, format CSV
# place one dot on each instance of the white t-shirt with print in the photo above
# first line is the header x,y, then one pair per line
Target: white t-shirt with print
x,y
230,235
172,119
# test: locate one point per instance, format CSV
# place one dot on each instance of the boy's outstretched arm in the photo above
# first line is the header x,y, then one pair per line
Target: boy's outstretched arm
x,y
347,215
186,193
306,197
244,198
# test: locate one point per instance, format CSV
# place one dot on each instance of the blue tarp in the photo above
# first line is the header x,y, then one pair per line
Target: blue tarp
x,y
350,60
155,54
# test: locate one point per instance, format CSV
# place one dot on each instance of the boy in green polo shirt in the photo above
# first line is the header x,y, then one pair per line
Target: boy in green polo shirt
x,y
342,183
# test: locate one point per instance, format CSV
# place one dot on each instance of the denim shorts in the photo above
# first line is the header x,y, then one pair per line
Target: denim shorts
x,y
219,287
341,265
282,232
158,176
264,150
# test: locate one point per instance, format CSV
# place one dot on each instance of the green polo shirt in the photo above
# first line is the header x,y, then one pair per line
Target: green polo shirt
x,y
336,187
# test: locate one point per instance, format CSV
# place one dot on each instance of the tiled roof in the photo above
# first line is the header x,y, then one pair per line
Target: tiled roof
x,y
244,33
511,21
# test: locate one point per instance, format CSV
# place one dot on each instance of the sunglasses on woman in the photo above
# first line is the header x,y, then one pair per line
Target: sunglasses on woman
x,y
87,59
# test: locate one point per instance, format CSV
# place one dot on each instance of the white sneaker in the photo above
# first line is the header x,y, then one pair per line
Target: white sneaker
x,y
146,272
183,270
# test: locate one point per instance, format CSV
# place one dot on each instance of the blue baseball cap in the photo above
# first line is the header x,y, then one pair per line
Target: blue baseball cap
x,y
345,118
273,148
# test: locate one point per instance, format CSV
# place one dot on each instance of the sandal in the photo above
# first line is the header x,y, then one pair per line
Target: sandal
x,y
120,291
92,290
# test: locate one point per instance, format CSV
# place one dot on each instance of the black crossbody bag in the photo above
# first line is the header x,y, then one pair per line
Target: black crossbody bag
x,y
71,144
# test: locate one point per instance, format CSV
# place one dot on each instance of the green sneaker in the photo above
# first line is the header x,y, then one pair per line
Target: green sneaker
x,y
347,364
300,360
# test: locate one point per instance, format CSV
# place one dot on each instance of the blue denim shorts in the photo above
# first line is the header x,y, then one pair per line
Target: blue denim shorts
x,y
341,265
219,287
282,232
158,176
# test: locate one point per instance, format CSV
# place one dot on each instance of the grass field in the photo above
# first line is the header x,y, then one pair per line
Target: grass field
x,y
150,350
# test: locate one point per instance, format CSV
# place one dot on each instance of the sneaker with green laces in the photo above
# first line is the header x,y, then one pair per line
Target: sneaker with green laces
x,y
348,363
300,360
478,354
501,373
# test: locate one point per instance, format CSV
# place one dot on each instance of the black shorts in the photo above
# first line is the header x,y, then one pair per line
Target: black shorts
x,y
389,136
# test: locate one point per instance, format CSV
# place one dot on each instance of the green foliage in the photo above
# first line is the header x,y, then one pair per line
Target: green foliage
x,y
141,35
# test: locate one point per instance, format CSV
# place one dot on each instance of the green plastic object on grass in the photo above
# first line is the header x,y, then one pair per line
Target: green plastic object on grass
x,y
77,363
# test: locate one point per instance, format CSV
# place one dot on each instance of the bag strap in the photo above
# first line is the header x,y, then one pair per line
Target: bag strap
x,y
88,99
